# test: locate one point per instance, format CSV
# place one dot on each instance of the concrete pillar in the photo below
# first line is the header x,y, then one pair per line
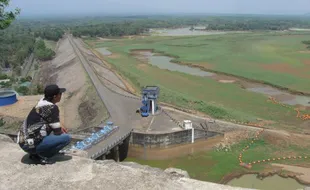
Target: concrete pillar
x,y
123,149
153,107
116,154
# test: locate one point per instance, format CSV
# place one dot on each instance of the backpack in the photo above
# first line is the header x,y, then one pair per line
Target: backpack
x,y
31,134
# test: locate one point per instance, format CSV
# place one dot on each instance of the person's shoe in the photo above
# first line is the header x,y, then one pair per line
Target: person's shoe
x,y
45,161
40,159
61,152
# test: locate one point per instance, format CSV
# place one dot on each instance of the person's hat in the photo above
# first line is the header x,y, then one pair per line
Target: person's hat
x,y
52,90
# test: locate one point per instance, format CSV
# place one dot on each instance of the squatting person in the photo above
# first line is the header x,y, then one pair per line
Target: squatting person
x,y
35,136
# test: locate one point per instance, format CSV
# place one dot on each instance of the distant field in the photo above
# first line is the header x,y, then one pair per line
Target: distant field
x,y
278,59
275,58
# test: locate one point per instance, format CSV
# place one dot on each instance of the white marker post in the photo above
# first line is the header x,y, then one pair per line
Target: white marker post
x,y
153,107
193,135
187,125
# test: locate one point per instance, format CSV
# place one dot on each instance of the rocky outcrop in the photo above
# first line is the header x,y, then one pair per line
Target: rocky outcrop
x,y
74,172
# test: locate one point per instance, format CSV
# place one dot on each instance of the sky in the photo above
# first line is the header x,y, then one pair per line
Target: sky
x,y
97,7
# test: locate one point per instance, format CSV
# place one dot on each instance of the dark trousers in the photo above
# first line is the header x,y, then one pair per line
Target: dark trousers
x,y
49,146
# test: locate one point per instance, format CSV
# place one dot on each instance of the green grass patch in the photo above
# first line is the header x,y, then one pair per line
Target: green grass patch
x,y
50,44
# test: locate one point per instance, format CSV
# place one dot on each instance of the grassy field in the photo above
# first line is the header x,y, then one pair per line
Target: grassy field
x,y
245,55
215,165
50,44
275,58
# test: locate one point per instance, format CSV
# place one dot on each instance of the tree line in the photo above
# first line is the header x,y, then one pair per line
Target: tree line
x,y
254,23
138,25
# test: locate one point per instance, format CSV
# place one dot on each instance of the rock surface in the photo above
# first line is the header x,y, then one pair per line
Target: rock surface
x,y
177,172
75,172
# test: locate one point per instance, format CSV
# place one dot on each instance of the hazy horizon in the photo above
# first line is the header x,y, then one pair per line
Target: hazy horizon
x,y
124,7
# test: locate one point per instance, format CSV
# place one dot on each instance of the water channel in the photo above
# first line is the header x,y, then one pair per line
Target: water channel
x,y
274,182
164,62
104,51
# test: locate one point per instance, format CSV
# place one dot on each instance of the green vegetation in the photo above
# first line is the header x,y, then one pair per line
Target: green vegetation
x,y
7,17
49,33
27,79
16,45
270,57
109,29
245,23
307,43
50,44
214,165
24,90
2,122
42,52
121,26
257,56
18,42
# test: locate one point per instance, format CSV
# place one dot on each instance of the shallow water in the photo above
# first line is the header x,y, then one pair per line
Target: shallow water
x,y
164,62
104,51
270,183
185,32
301,100
173,151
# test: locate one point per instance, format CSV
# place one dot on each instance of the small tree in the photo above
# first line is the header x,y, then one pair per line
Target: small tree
x,y
23,90
6,18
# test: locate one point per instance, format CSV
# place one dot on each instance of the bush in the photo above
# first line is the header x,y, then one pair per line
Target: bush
x,y
27,79
306,42
2,122
23,90
3,76
39,89
42,52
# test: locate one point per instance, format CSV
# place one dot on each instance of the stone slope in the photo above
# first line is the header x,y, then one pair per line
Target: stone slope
x,y
82,173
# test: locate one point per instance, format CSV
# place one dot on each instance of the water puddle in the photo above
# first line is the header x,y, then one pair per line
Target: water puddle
x,y
164,62
269,183
104,51
284,97
173,151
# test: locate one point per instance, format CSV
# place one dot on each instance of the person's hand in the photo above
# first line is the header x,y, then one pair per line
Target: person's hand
x,y
64,130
